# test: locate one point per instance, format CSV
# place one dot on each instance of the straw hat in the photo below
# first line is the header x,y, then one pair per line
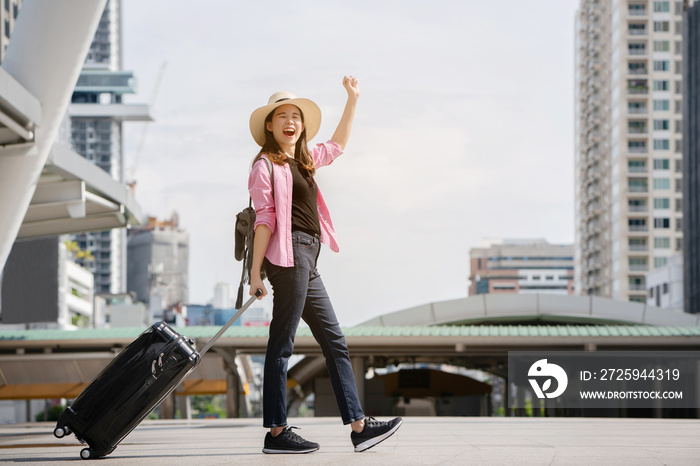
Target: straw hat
x,y
312,115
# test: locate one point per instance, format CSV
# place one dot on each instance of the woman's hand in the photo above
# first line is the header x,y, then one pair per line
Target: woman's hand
x,y
352,86
256,283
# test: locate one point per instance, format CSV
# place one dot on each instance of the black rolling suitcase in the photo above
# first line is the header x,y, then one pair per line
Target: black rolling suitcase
x,y
132,385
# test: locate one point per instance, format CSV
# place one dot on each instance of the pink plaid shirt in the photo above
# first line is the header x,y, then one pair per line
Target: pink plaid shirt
x,y
277,214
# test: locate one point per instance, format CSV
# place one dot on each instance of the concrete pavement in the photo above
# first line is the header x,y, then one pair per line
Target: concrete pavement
x,y
420,441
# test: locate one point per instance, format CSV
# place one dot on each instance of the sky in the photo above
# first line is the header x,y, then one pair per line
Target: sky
x,y
464,131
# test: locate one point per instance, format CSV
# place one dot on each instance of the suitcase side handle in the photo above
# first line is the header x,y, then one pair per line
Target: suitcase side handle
x,y
226,326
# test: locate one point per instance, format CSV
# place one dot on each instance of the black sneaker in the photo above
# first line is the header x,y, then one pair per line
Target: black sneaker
x,y
374,432
288,442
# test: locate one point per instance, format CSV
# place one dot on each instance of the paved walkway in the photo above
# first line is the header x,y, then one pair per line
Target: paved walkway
x,y
421,440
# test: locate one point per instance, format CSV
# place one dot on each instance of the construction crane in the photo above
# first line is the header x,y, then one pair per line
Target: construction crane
x,y
131,171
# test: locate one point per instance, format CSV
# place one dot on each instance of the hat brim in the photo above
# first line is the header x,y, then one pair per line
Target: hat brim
x,y
311,111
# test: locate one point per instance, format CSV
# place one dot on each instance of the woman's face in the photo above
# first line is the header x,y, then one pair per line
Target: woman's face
x,y
286,125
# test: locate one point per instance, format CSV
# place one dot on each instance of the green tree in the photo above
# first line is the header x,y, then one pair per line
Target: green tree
x,y
208,405
52,415
78,254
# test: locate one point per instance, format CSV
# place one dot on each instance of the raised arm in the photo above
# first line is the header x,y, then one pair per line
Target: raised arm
x,y
342,133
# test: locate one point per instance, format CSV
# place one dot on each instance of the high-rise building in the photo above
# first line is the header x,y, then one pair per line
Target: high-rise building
x,y
222,296
8,15
691,157
96,117
158,257
43,288
628,155
521,266
665,284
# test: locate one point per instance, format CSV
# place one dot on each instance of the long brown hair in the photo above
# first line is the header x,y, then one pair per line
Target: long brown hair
x,y
274,152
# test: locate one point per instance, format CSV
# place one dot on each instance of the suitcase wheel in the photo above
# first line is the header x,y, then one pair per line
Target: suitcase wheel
x,y
61,432
86,453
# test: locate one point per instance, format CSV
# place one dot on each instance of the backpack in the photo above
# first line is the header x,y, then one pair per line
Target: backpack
x,y
244,237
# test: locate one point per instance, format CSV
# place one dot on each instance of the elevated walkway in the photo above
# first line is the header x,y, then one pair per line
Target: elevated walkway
x,y
57,363
48,189
535,308
74,195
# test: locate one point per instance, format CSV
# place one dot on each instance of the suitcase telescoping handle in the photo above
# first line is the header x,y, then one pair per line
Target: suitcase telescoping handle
x,y
243,308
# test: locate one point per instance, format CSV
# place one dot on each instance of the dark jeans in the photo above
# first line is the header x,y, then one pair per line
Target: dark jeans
x,y
298,293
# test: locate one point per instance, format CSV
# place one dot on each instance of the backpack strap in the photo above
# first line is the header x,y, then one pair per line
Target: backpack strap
x,y
247,258
272,181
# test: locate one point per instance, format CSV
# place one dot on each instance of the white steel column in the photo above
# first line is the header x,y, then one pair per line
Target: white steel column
x,y
48,48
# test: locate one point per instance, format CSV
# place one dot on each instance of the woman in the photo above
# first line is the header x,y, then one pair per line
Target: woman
x,y
291,222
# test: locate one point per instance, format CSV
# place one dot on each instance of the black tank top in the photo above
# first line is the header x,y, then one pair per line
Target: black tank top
x,y
304,201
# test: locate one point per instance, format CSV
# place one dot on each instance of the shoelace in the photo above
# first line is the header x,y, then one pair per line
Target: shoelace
x,y
372,422
293,436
